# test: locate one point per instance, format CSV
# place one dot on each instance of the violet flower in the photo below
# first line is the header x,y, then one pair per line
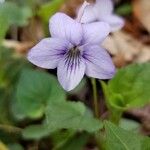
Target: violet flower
x,y
74,50
102,10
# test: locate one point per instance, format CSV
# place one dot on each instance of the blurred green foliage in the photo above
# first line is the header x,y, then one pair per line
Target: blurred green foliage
x,y
11,14
10,66
124,10
35,109
48,9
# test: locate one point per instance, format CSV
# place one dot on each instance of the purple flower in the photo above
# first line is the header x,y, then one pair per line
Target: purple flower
x,y
74,50
102,10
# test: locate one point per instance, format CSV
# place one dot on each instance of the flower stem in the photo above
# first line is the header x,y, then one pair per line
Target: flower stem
x,y
95,102
115,116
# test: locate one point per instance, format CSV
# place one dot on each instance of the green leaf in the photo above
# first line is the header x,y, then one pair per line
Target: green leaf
x,y
76,143
130,125
146,143
15,146
48,9
71,115
35,132
34,90
61,138
129,88
120,139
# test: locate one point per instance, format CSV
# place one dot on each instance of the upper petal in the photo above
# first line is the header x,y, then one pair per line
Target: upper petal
x,y
103,7
89,14
63,26
48,52
115,22
95,33
98,62
70,72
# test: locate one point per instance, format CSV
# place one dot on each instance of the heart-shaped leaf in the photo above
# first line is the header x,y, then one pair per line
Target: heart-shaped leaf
x,y
34,90
71,115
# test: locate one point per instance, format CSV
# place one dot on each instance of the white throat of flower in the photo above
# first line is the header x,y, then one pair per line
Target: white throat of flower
x,y
81,10
73,56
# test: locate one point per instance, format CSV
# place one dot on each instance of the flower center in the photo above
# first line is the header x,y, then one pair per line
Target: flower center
x,y
73,57
73,53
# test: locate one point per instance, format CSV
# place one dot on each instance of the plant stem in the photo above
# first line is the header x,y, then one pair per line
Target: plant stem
x,y
115,116
99,137
96,108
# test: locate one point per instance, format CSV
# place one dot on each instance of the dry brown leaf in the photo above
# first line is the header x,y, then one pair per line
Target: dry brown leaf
x,y
71,6
141,9
144,55
126,49
19,47
142,114
122,46
33,32
137,30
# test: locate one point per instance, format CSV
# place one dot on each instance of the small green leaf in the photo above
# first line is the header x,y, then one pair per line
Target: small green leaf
x,y
34,90
48,9
120,139
35,132
130,125
71,115
129,88
15,146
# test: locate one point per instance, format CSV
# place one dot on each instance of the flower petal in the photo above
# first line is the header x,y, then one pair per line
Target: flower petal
x,y
89,15
70,72
48,52
62,26
98,62
103,7
115,22
96,32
